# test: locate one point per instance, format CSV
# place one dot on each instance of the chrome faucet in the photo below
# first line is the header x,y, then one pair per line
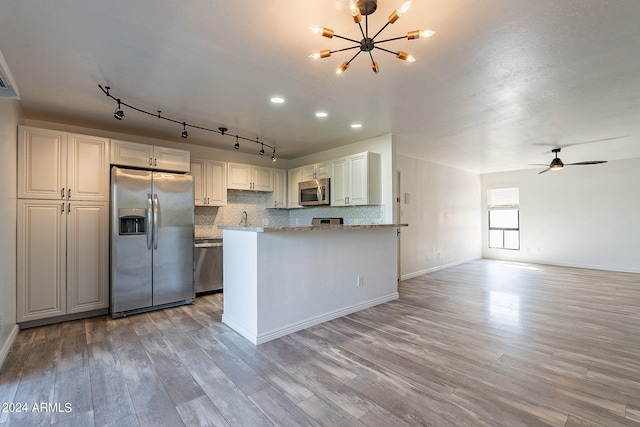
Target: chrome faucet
x,y
243,221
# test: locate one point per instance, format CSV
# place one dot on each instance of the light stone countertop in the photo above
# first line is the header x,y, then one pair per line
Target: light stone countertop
x,y
271,229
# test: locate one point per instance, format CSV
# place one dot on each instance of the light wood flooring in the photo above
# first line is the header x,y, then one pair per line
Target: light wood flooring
x,y
481,344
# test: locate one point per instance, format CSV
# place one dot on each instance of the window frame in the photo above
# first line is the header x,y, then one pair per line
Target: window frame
x,y
515,206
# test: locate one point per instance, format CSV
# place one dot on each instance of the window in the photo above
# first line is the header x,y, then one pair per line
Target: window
x,y
504,218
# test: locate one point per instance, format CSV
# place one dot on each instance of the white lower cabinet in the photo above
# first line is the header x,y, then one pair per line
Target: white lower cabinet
x,y
209,182
62,258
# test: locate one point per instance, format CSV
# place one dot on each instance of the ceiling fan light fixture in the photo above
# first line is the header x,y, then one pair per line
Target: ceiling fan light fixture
x,y
374,67
556,164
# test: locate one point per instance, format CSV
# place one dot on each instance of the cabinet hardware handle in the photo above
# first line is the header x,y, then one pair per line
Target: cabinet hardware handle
x,y
61,208
150,161
62,193
155,162
68,194
68,208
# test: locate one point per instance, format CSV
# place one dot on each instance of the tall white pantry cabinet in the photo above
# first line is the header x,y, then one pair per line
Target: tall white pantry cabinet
x,y
63,224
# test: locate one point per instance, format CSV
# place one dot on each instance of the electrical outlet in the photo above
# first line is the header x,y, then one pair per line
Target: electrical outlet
x,y
360,281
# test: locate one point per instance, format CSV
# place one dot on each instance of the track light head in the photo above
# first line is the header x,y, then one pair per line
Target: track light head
x,y
237,144
118,114
261,149
273,156
223,130
184,131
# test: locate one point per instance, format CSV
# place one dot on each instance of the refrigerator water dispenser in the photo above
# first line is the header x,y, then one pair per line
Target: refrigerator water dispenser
x,y
132,221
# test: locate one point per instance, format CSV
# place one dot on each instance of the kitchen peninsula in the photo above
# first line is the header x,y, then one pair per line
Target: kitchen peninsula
x,y
278,280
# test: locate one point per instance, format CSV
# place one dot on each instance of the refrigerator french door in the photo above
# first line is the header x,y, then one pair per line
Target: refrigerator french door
x,y
152,230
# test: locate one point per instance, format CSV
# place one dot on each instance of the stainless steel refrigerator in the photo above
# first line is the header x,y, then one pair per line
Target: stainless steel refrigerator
x,y
152,230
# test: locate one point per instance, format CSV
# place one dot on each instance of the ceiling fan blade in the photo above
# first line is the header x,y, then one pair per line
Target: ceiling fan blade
x,y
579,143
593,162
538,164
546,170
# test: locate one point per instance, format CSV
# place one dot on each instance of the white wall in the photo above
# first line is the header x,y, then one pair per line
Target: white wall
x,y
9,120
443,211
582,216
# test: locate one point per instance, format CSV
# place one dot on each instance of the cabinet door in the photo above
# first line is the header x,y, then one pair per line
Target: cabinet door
x,y
294,177
42,168
278,198
87,168
339,182
199,182
262,179
239,176
308,172
323,170
216,176
170,159
87,256
358,179
131,154
41,259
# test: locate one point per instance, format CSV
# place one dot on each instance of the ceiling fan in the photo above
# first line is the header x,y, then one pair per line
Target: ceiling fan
x,y
557,164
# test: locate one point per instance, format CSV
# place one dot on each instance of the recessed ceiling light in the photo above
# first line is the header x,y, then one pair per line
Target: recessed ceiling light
x,y
321,114
356,125
277,100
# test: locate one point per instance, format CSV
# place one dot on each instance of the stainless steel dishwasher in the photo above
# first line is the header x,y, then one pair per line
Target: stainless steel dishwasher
x,y
208,258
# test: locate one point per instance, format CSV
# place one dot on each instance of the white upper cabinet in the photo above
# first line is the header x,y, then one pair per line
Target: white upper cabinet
x,y
316,171
294,177
278,198
210,182
124,153
356,180
249,177
62,166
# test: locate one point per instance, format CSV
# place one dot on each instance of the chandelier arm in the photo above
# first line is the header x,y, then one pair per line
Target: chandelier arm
x,y
346,48
346,38
366,23
390,40
379,31
354,57
386,50
361,30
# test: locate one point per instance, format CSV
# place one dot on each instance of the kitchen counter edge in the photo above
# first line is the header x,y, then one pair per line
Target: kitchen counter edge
x,y
268,229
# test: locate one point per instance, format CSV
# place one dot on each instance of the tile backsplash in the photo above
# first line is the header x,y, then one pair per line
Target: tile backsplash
x,y
208,218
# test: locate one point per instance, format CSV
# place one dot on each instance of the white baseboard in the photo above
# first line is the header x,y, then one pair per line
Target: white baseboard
x,y
4,351
437,268
298,326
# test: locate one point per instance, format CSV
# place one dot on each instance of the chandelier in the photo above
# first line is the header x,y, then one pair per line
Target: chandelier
x,y
359,8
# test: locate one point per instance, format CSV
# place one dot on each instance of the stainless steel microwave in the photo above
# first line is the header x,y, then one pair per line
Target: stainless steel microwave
x,y
314,192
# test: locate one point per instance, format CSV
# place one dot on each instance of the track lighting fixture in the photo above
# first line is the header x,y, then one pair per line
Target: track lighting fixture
x,y
368,44
119,114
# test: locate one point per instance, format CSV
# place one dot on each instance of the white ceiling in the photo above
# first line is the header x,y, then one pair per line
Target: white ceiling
x,y
500,84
